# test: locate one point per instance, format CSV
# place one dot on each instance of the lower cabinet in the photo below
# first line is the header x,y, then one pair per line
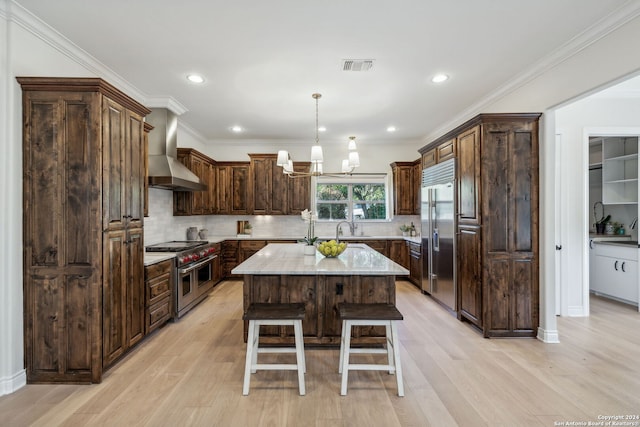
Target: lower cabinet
x,y
415,263
122,294
615,272
229,255
469,274
399,252
158,285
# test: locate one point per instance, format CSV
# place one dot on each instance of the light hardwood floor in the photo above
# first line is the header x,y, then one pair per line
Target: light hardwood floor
x,y
190,373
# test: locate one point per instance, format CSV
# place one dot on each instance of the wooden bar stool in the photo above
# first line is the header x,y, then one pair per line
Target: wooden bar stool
x,y
274,314
385,315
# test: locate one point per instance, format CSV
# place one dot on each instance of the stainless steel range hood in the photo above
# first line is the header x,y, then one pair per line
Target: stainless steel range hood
x,y
165,171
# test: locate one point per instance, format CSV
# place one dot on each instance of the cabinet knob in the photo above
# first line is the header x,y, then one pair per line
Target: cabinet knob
x,y
558,247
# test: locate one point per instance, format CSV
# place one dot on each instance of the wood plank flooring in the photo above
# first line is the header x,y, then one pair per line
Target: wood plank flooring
x,y
190,373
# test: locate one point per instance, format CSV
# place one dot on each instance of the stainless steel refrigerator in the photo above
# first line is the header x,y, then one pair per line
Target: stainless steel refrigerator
x,y
438,215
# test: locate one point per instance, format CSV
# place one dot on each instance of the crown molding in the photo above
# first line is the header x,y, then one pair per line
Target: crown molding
x,y
166,102
15,13
609,23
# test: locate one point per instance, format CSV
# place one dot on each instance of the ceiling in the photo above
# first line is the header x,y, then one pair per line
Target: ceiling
x,y
262,60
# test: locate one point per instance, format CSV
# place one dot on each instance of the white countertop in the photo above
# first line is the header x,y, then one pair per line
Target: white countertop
x,y
216,239
155,257
288,258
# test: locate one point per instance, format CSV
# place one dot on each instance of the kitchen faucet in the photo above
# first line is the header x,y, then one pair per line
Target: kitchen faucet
x,y
352,227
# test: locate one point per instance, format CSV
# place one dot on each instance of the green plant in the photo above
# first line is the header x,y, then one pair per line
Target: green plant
x,y
405,228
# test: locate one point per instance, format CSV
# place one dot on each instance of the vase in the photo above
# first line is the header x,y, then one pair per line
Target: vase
x,y
309,250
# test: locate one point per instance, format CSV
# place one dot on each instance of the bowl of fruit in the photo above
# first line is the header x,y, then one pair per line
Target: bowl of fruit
x,y
331,248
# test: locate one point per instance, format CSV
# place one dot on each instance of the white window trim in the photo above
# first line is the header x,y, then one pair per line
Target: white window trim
x,y
380,178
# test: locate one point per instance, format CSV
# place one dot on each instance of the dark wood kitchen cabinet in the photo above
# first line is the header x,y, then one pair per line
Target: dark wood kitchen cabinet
x,y
83,202
299,189
233,188
468,176
270,185
497,222
469,274
403,188
147,128
415,263
196,202
158,285
229,255
399,252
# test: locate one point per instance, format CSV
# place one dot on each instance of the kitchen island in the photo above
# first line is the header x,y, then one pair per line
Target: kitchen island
x,y
281,273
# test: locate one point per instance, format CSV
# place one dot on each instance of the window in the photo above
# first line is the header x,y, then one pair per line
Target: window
x,y
351,198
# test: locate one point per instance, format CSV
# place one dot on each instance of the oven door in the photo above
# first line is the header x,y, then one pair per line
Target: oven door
x,y
191,279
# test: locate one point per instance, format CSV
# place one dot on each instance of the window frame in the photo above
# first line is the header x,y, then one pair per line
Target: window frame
x,y
350,180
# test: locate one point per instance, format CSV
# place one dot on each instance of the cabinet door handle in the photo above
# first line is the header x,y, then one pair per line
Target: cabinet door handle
x,y
622,266
616,265
590,244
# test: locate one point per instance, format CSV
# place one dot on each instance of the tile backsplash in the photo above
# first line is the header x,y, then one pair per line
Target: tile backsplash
x,y
162,226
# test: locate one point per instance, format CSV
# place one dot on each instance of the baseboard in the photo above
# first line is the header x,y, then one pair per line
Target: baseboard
x,y
548,336
576,311
10,384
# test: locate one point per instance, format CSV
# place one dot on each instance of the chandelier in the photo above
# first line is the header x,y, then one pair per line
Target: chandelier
x,y
317,158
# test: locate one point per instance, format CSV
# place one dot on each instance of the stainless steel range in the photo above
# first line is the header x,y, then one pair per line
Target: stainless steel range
x,y
195,274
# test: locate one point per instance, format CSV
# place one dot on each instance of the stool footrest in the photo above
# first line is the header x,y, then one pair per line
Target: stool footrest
x,y
276,350
274,366
371,367
368,350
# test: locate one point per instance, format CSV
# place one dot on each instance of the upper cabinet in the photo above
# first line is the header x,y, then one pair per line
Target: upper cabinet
x,y
406,187
233,188
468,176
242,188
196,202
299,189
618,157
270,186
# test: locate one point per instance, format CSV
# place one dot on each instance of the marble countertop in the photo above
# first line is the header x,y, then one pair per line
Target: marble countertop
x,y
283,258
155,257
216,239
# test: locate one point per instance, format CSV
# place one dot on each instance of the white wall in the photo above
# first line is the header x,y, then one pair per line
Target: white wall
x,y
572,121
611,57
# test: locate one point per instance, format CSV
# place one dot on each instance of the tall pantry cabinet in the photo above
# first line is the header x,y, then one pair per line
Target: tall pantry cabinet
x,y
83,193
497,267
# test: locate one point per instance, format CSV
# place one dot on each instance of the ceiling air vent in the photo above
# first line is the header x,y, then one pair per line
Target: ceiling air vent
x,y
357,64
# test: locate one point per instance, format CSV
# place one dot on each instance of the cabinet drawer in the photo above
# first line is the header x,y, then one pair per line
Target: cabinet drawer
x,y
414,248
158,314
158,288
157,269
252,244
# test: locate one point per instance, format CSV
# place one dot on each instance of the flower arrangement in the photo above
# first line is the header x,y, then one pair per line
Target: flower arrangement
x,y
309,217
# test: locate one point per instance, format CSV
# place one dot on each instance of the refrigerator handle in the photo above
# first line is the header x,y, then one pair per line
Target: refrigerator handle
x,y
436,240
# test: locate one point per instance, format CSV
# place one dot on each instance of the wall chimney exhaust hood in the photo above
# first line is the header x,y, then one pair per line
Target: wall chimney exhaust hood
x,y
165,171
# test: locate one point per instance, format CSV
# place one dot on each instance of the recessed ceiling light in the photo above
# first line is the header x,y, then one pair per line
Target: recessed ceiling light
x,y
195,78
322,129
439,78
391,129
236,129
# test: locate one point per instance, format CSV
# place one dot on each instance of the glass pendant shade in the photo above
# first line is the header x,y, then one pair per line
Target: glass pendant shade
x,y
345,166
352,144
316,153
354,159
287,167
283,158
